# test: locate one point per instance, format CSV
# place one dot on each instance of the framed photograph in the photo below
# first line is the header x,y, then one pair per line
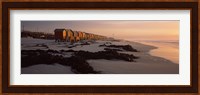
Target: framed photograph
x,y
100,47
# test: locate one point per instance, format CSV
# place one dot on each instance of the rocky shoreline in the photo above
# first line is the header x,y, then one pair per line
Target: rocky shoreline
x,y
78,60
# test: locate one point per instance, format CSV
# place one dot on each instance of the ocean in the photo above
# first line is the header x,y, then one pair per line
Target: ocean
x,y
165,49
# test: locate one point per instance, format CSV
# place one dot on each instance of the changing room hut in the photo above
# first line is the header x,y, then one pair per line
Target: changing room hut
x,y
60,35
76,36
63,35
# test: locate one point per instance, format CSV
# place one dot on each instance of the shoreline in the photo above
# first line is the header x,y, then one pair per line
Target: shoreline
x,y
146,49
146,64
161,50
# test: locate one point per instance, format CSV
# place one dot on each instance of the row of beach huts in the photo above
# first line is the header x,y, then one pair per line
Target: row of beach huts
x,y
67,35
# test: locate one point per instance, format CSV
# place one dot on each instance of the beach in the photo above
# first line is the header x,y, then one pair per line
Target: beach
x,y
148,62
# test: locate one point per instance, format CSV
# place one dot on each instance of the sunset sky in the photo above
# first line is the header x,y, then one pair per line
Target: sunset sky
x,y
120,29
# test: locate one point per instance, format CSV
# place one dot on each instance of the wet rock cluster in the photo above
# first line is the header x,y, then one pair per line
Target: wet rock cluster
x,y
124,47
85,43
34,57
109,49
109,55
41,45
78,60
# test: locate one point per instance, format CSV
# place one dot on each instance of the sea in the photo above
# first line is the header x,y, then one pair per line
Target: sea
x,y
165,49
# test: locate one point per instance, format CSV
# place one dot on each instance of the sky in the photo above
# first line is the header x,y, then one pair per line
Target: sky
x,y
120,29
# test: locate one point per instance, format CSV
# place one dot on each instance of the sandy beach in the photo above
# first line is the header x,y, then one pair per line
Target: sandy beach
x,y
147,63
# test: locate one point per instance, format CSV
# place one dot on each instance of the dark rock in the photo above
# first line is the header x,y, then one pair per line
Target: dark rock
x,y
105,55
52,51
77,62
124,47
86,43
109,49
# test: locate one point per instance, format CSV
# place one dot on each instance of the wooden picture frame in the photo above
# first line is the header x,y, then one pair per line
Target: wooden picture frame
x,y
7,88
